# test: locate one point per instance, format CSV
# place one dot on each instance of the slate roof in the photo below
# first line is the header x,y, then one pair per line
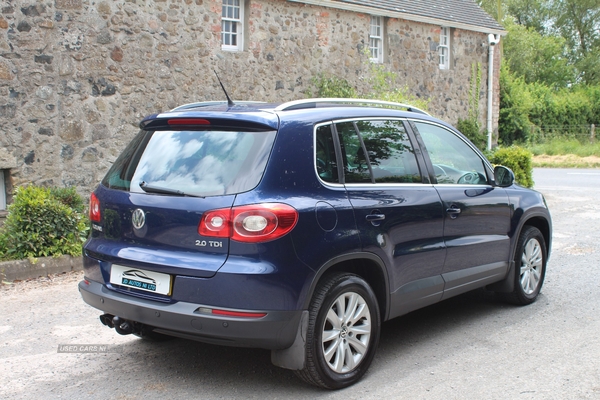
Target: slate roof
x,y
458,13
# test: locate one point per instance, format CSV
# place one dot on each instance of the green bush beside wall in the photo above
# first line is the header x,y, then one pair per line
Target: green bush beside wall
x,y
518,159
43,222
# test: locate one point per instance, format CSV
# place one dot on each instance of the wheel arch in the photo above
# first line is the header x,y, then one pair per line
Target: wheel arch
x,y
366,265
540,221
544,226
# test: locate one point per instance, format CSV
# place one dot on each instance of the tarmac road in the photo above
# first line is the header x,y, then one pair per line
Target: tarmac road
x,y
469,347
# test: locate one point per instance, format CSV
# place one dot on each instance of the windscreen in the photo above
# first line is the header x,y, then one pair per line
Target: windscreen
x,y
195,163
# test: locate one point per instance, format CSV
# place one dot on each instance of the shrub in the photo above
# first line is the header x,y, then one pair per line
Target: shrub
x,y
518,159
69,197
516,104
382,86
333,87
43,222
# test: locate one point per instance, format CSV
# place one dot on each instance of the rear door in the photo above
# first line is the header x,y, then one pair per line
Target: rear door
x,y
476,213
398,213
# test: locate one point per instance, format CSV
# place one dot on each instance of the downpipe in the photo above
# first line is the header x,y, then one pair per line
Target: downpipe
x,y
493,40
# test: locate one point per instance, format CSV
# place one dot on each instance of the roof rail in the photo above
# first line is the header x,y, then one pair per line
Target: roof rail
x,y
210,103
198,104
309,103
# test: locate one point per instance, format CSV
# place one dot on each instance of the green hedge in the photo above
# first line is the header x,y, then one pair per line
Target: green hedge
x,y
518,159
532,112
43,222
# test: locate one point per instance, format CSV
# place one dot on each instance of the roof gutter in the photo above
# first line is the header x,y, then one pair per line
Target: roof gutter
x,y
401,15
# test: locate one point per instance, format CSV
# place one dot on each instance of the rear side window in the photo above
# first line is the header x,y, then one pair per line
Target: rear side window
x,y
325,155
356,166
199,163
372,151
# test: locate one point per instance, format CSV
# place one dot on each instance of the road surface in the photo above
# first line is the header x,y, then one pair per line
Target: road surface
x,y
469,347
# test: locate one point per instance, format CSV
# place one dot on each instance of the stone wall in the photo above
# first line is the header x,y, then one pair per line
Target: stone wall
x,y
76,76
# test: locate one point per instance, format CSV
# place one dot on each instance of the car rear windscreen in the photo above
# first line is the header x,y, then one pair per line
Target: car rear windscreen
x,y
196,163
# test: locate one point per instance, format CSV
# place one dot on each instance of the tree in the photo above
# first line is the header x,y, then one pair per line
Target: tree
x,y
589,67
493,7
536,57
533,14
578,21
530,13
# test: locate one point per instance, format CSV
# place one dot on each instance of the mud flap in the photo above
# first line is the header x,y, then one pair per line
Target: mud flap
x,y
507,285
294,356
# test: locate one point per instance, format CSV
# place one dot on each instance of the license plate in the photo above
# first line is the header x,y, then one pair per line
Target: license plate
x,y
140,279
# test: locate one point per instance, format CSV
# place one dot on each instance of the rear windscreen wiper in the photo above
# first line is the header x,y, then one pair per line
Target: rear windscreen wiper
x,y
161,190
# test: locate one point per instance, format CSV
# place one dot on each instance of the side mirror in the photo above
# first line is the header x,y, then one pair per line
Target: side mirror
x,y
503,176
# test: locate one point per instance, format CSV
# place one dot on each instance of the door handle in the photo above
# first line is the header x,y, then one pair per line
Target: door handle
x,y
375,217
453,211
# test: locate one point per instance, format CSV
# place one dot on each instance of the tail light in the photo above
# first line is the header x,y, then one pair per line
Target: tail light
x,y
95,215
251,224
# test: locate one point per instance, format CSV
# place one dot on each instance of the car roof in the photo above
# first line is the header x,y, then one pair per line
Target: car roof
x,y
270,115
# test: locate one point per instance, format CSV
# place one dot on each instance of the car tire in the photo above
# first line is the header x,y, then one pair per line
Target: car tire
x,y
343,332
530,267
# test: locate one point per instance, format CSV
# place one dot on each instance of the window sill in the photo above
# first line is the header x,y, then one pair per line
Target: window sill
x,y
231,49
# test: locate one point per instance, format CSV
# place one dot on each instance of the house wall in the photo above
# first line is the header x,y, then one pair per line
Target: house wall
x,y
76,76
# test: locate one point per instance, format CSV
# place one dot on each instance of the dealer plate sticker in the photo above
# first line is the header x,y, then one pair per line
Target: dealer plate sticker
x,y
140,279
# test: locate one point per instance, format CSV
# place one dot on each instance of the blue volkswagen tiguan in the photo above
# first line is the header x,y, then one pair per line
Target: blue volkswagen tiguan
x,y
300,227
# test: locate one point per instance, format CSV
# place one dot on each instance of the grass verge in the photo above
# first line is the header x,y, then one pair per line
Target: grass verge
x,y
565,153
565,161
558,147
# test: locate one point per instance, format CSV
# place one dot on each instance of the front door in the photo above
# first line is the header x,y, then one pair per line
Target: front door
x,y
476,214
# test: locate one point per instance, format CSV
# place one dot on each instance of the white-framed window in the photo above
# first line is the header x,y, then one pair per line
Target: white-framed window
x,y
2,191
444,48
376,39
232,29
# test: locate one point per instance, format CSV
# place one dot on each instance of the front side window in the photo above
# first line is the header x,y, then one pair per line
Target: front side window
x,y
231,25
376,39
372,151
444,48
199,163
454,161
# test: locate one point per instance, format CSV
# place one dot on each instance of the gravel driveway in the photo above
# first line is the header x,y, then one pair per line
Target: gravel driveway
x,y
469,347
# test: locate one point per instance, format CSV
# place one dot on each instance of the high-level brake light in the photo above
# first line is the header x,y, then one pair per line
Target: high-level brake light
x,y
188,121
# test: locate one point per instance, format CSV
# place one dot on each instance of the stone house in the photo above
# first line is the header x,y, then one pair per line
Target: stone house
x,y
76,76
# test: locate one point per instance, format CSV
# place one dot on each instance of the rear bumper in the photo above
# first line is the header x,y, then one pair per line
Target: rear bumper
x,y
276,330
